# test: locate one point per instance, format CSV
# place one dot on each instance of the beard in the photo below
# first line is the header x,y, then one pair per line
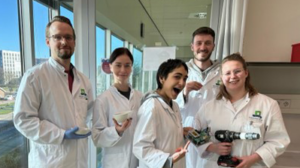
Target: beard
x,y
65,54
203,59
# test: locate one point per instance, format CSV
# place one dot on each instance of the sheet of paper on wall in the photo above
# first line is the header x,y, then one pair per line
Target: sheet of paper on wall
x,y
154,56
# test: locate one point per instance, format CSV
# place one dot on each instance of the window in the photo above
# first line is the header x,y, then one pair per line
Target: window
x,y
12,143
40,19
137,73
116,43
100,55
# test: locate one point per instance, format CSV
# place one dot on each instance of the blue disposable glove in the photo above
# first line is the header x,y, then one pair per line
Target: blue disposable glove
x,y
70,134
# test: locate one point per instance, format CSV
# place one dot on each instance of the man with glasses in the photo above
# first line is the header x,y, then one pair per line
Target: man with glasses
x,y
54,104
202,84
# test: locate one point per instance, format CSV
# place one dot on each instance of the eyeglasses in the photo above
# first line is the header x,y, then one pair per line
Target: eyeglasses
x,y
235,72
57,37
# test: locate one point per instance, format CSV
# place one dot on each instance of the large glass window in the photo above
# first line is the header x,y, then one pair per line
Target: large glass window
x,y
12,143
137,74
40,19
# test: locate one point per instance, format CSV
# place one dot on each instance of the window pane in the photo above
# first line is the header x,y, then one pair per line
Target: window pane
x,y
69,14
40,21
137,74
116,43
12,143
100,54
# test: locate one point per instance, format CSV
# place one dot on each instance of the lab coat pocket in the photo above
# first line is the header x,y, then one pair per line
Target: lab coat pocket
x,y
258,126
48,153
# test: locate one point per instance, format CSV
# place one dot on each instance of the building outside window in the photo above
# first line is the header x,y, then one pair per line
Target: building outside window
x,y
13,151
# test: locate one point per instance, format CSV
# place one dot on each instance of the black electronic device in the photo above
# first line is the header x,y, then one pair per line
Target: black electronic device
x,y
229,136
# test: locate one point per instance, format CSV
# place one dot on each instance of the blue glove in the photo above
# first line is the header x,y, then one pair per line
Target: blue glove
x,y
70,134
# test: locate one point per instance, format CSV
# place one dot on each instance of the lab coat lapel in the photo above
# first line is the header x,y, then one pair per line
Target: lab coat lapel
x,y
170,111
76,82
244,103
211,75
229,105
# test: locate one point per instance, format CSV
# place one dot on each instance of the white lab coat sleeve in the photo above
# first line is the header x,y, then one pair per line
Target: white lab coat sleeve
x,y
103,135
276,138
145,135
26,117
199,124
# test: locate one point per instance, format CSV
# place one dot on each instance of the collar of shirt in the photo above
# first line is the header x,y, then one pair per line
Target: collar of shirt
x,y
61,69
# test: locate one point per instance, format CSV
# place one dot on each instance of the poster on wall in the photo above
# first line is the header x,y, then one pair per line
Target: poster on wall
x,y
154,56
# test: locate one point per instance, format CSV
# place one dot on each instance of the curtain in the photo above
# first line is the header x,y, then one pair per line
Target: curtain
x,y
231,27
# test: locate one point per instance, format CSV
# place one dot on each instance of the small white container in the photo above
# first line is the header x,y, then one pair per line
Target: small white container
x,y
121,117
82,131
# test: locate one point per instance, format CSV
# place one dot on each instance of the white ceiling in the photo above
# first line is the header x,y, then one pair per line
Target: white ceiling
x,y
170,17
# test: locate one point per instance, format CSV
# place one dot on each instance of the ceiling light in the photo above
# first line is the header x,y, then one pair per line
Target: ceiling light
x,y
200,15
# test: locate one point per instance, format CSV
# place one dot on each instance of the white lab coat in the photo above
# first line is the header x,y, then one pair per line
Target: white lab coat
x,y
45,108
116,150
221,115
158,134
209,79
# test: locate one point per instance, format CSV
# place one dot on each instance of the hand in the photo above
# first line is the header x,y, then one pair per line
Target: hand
x,y
121,128
223,148
70,134
180,153
248,161
192,85
186,130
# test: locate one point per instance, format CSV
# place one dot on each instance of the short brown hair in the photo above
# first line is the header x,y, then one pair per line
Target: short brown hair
x,y
59,19
223,92
205,31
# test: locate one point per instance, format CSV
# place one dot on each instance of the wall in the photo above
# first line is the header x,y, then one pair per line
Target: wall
x,y
272,26
281,81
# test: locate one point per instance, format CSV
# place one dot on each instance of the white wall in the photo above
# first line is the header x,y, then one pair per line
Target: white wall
x,y
272,26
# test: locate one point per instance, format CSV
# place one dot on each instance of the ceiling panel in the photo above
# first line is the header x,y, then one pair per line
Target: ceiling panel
x,y
169,16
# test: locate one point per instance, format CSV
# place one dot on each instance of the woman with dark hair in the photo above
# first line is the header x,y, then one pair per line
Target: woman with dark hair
x,y
240,108
159,130
116,138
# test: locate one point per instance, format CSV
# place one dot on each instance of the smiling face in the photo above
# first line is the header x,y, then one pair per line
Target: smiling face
x,y
121,68
173,84
234,76
202,47
61,40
